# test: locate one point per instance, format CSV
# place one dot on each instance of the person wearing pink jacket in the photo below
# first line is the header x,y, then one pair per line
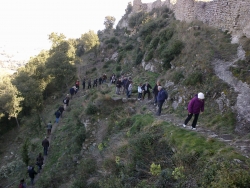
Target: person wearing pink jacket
x,y
195,107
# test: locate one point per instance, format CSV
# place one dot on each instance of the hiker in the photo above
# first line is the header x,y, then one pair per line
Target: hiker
x,y
95,83
155,91
139,92
61,109
77,84
118,86
161,97
45,144
104,78
39,162
124,81
75,89
195,107
72,91
32,174
22,184
100,80
129,91
127,83
49,127
57,114
83,83
66,101
89,84
145,89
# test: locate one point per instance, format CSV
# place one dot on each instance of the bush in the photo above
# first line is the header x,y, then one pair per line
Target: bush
x,y
129,47
118,68
154,43
147,29
194,79
177,76
91,109
137,19
150,55
25,153
147,39
139,58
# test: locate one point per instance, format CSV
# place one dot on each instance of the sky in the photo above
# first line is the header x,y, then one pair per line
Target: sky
x,y
26,24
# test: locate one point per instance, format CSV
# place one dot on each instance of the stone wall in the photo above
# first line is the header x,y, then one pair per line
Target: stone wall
x,y
231,15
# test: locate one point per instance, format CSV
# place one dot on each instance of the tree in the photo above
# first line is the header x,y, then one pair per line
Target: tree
x,y
90,40
109,22
10,98
56,39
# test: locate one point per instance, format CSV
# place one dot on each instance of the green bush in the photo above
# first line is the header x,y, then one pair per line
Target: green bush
x,y
154,43
194,79
91,109
147,29
150,55
25,153
137,19
129,47
177,76
118,68
139,58
147,39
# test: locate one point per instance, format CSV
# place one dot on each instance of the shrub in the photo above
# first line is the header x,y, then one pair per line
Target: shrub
x,y
25,153
147,29
150,55
91,109
193,79
177,76
154,43
139,58
155,170
129,47
147,39
118,68
137,19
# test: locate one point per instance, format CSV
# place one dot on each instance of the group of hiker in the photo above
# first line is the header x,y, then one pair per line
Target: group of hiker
x,y
124,85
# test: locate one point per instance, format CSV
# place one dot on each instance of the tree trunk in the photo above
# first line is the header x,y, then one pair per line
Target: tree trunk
x,y
17,121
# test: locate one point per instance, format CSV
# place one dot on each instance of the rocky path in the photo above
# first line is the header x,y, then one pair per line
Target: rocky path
x,y
242,106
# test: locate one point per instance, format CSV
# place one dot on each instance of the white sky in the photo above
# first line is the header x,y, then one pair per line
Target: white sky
x,y
26,24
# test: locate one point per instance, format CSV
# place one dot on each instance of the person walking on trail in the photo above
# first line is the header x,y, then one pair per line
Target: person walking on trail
x,y
49,127
72,91
22,184
39,162
195,107
45,144
66,102
161,97
83,83
89,84
77,84
155,91
57,114
100,80
118,86
32,174
139,92
61,109
146,90
130,87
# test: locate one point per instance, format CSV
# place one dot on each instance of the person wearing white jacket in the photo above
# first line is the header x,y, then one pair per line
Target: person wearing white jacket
x,y
139,92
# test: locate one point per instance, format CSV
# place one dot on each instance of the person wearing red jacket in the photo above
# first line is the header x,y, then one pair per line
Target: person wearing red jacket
x,y
195,107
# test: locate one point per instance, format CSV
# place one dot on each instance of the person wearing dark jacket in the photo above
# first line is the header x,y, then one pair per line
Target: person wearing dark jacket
x,y
61,109
32,174
195,107
45,144
161,97
118,86
83,83
155,91
57,114
145,88
39,162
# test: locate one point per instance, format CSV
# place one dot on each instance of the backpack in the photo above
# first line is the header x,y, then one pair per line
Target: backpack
x,y
165,93
64,101
20,185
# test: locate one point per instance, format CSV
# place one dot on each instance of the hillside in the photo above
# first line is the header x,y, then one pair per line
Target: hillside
x,y
105,140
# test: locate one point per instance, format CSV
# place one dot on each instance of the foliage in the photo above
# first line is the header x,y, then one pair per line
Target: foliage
x,y
149,55
109,22
137,19
91,109
90,40
25,153
155,170
194,79
177,76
